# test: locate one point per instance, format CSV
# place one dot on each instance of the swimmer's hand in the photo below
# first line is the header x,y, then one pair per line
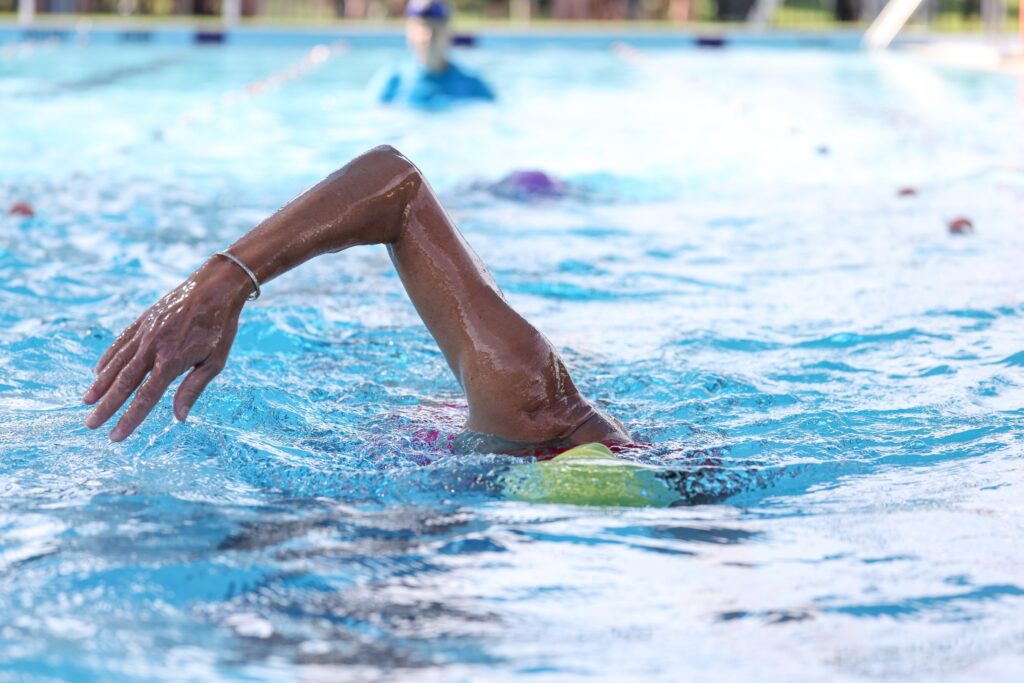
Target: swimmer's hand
x,y
190,328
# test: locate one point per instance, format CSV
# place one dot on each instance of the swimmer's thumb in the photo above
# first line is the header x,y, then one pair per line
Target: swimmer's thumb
x,y
192,386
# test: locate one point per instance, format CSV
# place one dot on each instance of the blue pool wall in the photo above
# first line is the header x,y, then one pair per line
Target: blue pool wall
x,y
390,37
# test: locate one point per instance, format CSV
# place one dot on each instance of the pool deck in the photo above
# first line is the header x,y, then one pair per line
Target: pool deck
x,y
1005,58
973,51
653,37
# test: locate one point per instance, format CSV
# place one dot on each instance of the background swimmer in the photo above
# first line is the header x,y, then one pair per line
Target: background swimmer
x,y
527,185
430,80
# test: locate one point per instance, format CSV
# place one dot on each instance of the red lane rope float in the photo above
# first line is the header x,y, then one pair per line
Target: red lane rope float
x,y
22,209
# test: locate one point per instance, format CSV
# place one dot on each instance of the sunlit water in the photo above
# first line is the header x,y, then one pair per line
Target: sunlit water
x,y
734,275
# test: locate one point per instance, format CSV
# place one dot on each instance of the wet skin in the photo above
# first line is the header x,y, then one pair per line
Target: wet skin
x,y
516,385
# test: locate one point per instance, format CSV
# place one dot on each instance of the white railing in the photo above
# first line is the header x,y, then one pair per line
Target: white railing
x,y
763,13
896,13
891,20
26,12
231,12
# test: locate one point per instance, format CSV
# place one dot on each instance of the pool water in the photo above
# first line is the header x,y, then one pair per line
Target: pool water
x,y
735,274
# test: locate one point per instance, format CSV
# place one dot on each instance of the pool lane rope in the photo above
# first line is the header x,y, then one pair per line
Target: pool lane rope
x,y
26,48
312,60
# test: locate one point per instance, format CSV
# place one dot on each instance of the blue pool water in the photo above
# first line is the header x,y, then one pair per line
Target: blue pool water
x,y
734,275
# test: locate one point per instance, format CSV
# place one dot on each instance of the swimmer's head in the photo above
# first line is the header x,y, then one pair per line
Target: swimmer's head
x,y
426,30
529,185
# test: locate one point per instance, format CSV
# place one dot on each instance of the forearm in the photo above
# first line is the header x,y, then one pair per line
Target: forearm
x,y
191,329
363,203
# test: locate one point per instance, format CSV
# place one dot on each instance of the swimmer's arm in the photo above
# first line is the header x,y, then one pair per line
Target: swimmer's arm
x,y
515,382
364,202
385,87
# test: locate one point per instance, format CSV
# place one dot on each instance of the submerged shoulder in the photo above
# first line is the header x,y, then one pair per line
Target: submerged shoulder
x,y
471,83
387,157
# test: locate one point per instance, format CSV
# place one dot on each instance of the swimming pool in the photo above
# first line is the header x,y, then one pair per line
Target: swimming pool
x,y
736,273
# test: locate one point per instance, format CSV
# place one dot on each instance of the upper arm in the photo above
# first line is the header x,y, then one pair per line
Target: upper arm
x,y
516,384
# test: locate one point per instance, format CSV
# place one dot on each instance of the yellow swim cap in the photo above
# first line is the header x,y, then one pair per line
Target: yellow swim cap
x,y
588,475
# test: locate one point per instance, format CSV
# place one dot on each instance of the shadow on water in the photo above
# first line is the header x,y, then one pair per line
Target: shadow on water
x,y
358,589
959,607
689,534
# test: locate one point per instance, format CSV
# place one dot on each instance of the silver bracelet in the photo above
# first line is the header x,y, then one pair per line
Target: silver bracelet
x,y
252,276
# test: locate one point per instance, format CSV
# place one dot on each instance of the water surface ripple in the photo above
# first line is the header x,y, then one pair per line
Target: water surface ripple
x,y
835,379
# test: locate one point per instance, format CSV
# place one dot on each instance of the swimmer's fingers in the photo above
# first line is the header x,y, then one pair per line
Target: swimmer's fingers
x,y
122,387
148,396
203,373
119,343
109,372
194,385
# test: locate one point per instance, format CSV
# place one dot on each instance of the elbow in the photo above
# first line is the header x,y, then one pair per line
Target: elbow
x,y
385,151
389,158
393,169
391,184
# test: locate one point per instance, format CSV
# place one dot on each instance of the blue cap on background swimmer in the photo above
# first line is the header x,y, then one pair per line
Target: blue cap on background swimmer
x,y
589,475
428,9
